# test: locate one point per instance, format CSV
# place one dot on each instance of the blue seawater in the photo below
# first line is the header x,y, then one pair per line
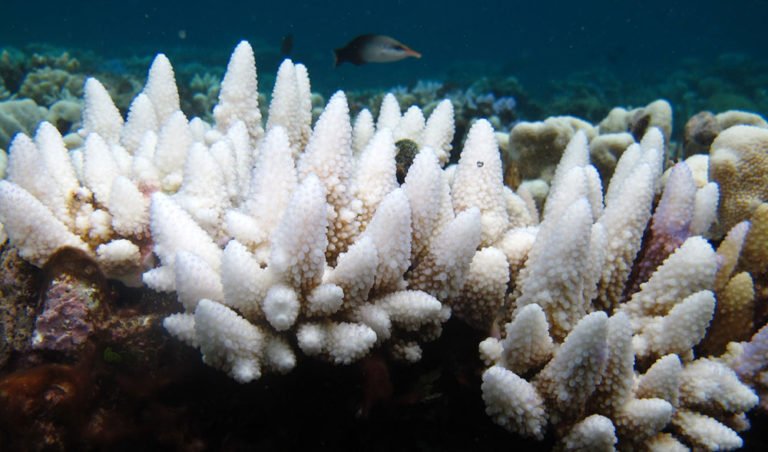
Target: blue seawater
x,y
535,41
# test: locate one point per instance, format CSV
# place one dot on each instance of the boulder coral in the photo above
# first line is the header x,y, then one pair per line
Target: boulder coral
x,y
739,163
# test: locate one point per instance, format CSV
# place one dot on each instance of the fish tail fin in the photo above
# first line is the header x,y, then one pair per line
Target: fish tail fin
x,y
336,60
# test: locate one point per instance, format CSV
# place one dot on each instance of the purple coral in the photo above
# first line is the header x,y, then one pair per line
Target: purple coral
x,y
670,226
754,356
752,365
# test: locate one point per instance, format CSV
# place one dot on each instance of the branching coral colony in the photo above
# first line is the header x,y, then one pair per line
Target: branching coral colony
x,y
285,238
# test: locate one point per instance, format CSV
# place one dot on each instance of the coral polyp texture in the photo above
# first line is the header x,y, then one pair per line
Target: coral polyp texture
x,y
615,308
279,237
604,341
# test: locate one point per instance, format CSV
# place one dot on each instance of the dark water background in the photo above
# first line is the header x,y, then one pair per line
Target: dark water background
x,y
534,40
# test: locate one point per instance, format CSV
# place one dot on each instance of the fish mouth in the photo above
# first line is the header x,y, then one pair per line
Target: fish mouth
x,y
412,53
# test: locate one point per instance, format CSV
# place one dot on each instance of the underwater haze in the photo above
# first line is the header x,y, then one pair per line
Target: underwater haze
x,y
533,40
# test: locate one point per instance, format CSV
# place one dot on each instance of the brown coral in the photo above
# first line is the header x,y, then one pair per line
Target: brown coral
x,y
739,163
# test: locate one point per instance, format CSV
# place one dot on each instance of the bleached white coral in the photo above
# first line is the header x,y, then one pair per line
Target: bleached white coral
x,y
593,433
100,116
228,341
239,95
288,104
271,186
141,119
299,241
33,230
129,208
527,344
689,269
556,277
590,369
161,88
296,242
706,432
375,175
286,236
682,328
513,402
423,187
281,307
392,219
195,280
662,380
484,290
478,182
628,200
328,155
174,230
712,387
438,131
389,113
443,270
572,375
362,130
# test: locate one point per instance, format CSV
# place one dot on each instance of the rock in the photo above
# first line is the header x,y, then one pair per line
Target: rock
x,y
74,302
18,303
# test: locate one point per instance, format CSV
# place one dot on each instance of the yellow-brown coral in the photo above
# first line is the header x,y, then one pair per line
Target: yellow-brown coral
x,y
754,256
739,163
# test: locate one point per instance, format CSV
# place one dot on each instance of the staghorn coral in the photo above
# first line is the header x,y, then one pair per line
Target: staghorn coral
x,y
592,378
683,211
275,237
750,362
279,238
606,149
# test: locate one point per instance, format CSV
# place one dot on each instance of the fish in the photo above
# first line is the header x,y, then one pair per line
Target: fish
x,y
286,45
372,48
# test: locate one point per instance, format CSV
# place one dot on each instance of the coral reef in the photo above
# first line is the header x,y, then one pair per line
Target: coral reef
x,y
538,146
703,127
277,236
535,148
19,116
293,234
626,374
